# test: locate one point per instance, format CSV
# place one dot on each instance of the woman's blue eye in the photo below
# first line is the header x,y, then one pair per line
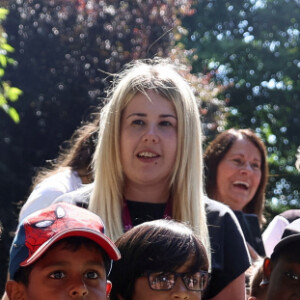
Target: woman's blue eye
x,y
255,166
138,122
237,160
165,123
57,275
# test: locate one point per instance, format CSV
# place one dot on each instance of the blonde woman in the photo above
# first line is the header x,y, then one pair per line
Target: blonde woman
x,y
148,165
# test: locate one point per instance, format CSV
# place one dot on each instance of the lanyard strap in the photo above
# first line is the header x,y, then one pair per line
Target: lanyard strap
x,y
126,218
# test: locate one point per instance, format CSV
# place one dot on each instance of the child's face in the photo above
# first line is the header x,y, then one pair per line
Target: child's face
x,y
65,274
284,281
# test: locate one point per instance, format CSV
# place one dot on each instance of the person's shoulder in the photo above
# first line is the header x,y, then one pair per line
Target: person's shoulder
x,y
213,206
219,214
47,191
57,181
291,215
225,231
79,197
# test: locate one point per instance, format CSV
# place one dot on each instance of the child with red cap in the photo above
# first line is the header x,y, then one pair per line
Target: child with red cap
x,y
60,252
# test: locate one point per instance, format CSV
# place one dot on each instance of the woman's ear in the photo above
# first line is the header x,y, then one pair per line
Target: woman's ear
x,y
14,291
108,288
267,269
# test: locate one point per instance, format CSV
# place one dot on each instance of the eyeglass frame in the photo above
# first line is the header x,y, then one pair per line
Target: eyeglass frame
x,y
176,275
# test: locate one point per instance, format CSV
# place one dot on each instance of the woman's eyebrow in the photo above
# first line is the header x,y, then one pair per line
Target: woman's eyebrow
x,y
168,116
243,155
137,114
144,115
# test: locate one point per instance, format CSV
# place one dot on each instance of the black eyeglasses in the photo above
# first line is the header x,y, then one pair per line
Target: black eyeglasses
x,y
165,281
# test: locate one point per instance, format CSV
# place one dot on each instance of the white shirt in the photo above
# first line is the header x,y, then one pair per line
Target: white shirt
x,y
273,233
49,189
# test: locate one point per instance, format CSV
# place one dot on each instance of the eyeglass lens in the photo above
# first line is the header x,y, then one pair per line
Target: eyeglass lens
x,y
166,280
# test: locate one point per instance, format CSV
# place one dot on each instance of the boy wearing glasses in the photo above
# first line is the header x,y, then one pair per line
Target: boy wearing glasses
x,y
161,260
60,252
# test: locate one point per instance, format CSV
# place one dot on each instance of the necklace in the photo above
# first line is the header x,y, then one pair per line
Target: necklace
x,y
126,217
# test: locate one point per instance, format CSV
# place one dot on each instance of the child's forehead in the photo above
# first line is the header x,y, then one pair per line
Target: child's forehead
x,y
61,253
75,243
191,264
290,255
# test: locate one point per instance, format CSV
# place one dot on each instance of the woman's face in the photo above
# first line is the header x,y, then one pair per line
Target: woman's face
x,y
142,290
239,174
148,139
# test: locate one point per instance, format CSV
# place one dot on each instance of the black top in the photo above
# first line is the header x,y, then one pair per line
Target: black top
x,y
230,256
142,212
251,230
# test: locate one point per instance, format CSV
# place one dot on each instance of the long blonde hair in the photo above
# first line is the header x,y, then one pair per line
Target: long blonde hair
x,y
186,182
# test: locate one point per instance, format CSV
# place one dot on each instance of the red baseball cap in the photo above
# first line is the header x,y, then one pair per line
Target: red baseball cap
x,y
40,230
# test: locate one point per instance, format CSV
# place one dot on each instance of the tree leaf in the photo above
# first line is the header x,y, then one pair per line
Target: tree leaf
x,y
14,115
7,47
13,93
2,100
3,60
3,13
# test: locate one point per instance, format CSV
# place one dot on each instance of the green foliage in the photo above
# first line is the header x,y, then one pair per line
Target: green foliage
x,y
253,48
7,93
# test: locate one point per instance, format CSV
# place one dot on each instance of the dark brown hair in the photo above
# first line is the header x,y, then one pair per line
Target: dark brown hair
x,y
77,152
161,245
216,151
256,278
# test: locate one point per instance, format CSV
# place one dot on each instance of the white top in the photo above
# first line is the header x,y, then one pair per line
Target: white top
x,y
49,189
273,233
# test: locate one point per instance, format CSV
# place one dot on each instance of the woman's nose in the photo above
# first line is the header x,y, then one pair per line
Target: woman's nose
x,y
151,135
246,167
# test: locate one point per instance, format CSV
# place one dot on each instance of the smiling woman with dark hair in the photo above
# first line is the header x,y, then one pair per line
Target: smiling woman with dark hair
x,y
161,259
244,152
236,172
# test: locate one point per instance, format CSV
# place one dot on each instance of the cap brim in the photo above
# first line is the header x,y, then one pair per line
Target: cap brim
x,y
102,240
